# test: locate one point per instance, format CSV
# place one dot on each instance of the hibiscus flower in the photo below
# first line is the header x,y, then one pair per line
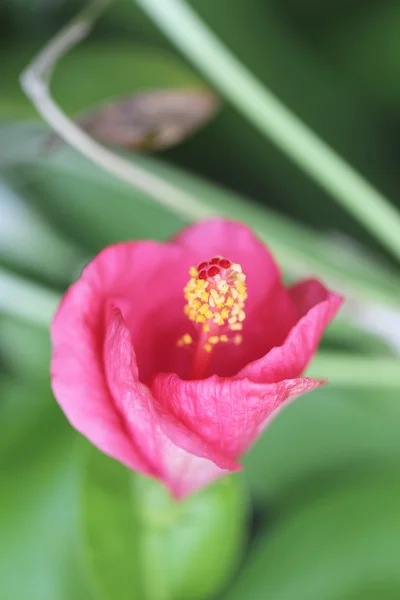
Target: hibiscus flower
x,y
173,357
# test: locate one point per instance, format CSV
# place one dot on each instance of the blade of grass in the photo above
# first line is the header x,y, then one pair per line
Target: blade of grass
x,y
180,23
354,370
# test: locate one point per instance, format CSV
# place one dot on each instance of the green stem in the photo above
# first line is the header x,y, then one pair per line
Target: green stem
x,y
276,121
356,371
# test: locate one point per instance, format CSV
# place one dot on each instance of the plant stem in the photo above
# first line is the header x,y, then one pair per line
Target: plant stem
x,y
356,371
276,121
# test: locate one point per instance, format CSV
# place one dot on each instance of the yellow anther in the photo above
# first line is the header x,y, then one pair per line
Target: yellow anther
x,y
215,302
204,308
185,340
238,339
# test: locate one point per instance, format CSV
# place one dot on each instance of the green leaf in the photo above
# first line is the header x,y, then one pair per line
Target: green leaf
x,y
141,544
339,545
328,433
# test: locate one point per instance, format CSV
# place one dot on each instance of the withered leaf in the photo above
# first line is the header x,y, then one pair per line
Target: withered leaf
x,y
148,121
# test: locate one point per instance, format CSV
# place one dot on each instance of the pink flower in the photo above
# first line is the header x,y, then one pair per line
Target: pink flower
x,y
175,375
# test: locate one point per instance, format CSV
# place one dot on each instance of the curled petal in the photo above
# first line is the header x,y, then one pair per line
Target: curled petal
x,y
78,378
178,456
316,307
229,414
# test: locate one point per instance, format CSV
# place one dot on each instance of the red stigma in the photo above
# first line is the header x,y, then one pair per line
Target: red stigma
x,y
214,261
212,271
224,263
202,275
202,266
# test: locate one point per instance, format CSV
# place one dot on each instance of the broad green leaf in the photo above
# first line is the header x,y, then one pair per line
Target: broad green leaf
x,y
142,545
343,544
329,433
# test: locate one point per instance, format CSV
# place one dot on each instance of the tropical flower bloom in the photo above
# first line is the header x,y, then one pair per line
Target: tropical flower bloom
x,y
173,358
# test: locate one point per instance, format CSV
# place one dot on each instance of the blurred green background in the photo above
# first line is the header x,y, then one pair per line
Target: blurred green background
x,y
323,483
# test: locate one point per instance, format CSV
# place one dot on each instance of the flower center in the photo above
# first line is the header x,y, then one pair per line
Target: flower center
x,y
215,294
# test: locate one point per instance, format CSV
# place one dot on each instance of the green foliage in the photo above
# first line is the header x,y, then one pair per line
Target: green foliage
x,y
342,544
322,439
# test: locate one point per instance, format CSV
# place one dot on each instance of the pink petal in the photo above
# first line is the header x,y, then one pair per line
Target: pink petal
x,y
316,308
229,414
177,455
78,378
